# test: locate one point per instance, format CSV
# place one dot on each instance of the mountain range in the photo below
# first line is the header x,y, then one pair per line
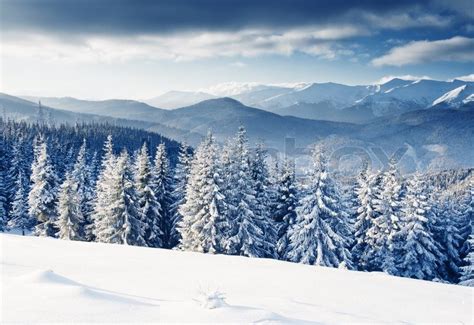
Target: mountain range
x,y
432,120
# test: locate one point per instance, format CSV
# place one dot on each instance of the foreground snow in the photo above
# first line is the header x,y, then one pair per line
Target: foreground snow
x,y
49,280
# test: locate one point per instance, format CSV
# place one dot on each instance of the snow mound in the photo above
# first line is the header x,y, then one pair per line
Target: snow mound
x,y
45,277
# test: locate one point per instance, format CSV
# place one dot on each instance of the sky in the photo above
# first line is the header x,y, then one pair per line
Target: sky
x,y
139,49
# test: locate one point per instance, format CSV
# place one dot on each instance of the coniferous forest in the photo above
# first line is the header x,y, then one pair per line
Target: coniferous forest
x,y
126,186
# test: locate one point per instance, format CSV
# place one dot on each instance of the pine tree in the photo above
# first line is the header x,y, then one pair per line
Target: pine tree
x,y
3,185
19,165
163,187
319,234
286,203
204,208
71,220
180,179
420,253
246,229
467,270
19,213
43,193
365,191
82,177
263,198
148,206
382,234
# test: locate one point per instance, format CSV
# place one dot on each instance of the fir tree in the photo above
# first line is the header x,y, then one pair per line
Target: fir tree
x,y
420,254
83,180
382,234
467,270
3,185
148,206
204,208
246,229
319,234
19,213
163,188
180,179
286,203
70,221
365,192
43,193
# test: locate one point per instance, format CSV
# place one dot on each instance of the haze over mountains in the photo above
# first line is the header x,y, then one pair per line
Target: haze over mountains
x,y
434,120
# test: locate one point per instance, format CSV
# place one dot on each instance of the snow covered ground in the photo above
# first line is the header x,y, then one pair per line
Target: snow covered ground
x,y
49,280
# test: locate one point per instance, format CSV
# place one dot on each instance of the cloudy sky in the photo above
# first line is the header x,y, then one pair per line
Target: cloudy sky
x,y
140,49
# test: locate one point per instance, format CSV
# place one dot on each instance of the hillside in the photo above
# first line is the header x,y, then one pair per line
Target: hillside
x,y
49,280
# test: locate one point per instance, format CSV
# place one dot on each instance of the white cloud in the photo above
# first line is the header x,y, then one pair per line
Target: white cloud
x,y
317,41
404,77
458,48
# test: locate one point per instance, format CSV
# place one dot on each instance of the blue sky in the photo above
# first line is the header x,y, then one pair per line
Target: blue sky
x,y
140,49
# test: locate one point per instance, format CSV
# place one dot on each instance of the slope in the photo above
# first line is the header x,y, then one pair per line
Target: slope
x,y
49,280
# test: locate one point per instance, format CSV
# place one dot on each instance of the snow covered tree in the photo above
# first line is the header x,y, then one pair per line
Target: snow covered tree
x,y
320,233
420,254
382,234
467,270
43,193
162,186
286,202
263,198
246,228
19,213
3,185
180,179
85,191
148,206
204,208
70,220
19,164
365,192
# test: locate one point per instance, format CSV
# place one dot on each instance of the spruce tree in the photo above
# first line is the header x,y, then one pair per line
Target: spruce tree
x,y
467,270
19,213
420,254
148,206
163,188
70,220
263,198
286,203
365,192
180,179
83,180
319,235
3,185
382,234
204,208
43,193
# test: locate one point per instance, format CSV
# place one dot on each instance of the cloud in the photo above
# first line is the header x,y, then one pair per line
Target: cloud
x,y
404,77
318,41
238,64
129,17
458,49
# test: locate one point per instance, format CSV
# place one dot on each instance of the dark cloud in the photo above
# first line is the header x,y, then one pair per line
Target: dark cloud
x,y
164,16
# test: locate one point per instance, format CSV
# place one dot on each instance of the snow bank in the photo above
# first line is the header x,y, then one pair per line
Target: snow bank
x,y
49,280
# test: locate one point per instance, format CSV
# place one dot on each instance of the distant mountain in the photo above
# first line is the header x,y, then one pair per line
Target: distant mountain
x,y
176,99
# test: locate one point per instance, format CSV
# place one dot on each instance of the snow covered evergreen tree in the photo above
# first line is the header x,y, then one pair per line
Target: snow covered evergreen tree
x,y
148,206
163,188
286,202
43,193
467,270
420,255
85,190
70,220
19,213
319,235
246,228
204,209
180,179
365,192
263,197
382,234
3,185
